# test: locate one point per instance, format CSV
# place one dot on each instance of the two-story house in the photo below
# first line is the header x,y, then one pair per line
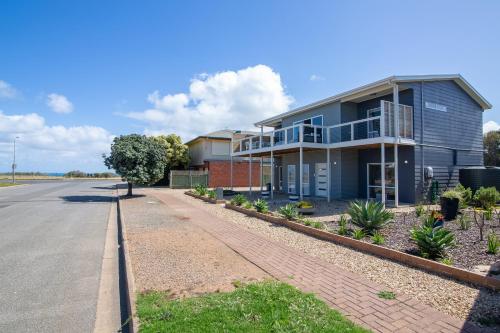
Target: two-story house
x,y
387,140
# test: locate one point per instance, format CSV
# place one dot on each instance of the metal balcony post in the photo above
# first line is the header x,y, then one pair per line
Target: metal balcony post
x,y
352,132
395,93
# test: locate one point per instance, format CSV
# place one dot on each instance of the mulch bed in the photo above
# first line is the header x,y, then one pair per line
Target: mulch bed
x,y
468,252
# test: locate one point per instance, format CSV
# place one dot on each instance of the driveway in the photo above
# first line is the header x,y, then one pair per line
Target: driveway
x,y
52,237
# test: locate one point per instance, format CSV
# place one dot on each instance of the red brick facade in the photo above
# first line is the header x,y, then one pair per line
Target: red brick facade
x,y
219,173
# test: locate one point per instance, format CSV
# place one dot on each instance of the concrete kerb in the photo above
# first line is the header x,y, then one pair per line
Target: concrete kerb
x,y
133,325
105,316
380,251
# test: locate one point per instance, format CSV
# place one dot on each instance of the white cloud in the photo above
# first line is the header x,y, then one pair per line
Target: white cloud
x,y
59,103
490,126
315,77
7,91
231,99
43,147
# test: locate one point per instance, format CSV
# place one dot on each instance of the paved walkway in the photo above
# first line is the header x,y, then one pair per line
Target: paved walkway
x,y
350,293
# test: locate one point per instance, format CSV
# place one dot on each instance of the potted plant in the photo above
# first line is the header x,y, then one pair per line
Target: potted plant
x,y
305,207
450,201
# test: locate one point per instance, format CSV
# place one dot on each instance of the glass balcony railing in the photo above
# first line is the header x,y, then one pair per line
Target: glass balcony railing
x,y
362,129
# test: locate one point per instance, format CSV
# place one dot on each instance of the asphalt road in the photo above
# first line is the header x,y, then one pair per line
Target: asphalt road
x,y
52,237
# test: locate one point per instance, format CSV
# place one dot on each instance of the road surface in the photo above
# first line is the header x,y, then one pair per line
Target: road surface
x,y
52,237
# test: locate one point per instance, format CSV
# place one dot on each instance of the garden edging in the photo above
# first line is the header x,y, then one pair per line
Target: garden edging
x,y
213,201
401,257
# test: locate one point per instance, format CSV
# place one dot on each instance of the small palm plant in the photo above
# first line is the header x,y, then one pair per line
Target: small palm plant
x,y
238,200
289,211
369,215
261,206
212,194
432,242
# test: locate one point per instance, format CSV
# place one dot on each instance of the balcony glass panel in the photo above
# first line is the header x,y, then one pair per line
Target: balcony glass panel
x,y
266,141
292,134
256,142
279,137
245,145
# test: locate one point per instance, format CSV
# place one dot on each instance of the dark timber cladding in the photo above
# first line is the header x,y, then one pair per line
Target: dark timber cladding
x,y
451,139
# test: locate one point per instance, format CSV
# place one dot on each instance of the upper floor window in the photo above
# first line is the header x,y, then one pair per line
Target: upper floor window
x,y
435,106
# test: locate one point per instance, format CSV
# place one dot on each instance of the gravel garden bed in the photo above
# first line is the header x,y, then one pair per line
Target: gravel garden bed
x,y
467,253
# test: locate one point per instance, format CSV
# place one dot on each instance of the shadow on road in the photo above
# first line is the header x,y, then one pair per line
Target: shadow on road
x,y
87,198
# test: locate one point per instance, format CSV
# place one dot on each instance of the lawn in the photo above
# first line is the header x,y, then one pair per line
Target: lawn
x,y
7,184
258,307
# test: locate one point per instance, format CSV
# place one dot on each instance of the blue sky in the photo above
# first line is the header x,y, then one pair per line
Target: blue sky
x,y
97,62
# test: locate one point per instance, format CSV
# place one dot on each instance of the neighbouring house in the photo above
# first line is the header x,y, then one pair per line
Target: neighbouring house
x,y
395,140
212,153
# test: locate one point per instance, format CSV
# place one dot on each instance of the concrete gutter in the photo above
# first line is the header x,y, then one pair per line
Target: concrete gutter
x,y
108,308
131,325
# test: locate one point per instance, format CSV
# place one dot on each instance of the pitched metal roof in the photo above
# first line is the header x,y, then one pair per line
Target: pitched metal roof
x,y
387,83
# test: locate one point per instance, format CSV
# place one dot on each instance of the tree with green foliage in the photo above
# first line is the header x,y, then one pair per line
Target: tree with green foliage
x,y
177,153
492,148
137,159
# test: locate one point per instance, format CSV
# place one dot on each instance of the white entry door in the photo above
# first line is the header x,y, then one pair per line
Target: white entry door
x,y
291,179
306,188
321,180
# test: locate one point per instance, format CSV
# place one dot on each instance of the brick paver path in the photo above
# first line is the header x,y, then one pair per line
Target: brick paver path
x,y
353,295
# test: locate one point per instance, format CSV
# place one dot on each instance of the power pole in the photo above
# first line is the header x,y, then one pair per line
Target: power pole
x,y
14,162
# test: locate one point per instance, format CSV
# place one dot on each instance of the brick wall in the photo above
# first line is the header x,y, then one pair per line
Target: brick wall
x,y
219,173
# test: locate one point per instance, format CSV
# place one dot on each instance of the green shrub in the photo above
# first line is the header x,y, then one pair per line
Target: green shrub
x,y
464,222
307,222
304,204
432,242
212,194
369,215
342,225
358,234
466,195
378,239
261,206
318,225
419,210
487,197
289,211
446,261
493,243
200,190
452,194
488,214
247,205
238,200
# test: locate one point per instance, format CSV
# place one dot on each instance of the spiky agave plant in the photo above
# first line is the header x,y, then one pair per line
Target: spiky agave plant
x,y
238,200
261,206
369,215
432,242
289,211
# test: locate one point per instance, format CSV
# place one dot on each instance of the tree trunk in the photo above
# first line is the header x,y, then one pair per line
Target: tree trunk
x,y
129,193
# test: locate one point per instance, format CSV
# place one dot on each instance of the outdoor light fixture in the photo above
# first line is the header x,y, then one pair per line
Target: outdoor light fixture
x,y
406,161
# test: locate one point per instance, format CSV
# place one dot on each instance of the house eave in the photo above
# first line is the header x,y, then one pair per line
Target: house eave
x,y
380,86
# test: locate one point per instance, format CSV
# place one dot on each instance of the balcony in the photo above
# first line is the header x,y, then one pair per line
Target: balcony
x,y
354,133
